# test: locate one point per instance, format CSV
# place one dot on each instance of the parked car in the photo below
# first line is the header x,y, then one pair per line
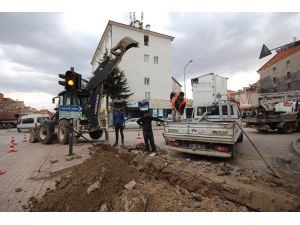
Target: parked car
x,y
131,123
31,121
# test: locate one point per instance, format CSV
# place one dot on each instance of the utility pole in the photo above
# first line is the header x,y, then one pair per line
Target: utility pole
x,y
190,61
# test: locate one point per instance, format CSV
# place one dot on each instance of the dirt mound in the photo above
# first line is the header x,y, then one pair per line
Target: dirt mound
x,y
112,180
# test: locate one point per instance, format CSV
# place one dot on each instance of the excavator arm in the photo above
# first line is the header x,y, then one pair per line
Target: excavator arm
x,y
118,51
100,74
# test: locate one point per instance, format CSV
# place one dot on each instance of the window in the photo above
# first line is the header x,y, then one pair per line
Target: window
x,y
27,120
147,95
147,80
155,59
288,75
288,64
275,80
201,111
42,119
289,86
146,40
146,58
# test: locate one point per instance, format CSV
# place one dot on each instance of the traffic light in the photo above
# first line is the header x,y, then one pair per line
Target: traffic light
x,y
72,80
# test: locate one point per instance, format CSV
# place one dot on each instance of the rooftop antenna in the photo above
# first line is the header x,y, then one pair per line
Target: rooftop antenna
x,y
142,17
133,16
131,19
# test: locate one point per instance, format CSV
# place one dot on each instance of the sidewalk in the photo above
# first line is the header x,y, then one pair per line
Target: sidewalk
x,y
33,169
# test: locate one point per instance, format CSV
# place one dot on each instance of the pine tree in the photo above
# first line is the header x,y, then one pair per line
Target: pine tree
x,y
115,86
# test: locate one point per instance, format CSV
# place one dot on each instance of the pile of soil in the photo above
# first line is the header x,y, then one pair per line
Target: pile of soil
x,y
115,180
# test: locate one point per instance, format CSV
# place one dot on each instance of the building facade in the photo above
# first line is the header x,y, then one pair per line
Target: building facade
x,y
282,72
147,68
176,86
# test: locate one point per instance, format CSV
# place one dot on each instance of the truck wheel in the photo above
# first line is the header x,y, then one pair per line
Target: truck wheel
x,y
63,132
44,133
287,128
96,134
241,137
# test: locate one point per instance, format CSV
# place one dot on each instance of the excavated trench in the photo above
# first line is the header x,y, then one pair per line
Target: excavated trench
x,y
130,180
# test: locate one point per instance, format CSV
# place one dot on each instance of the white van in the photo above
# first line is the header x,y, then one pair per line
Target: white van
x,y
31,121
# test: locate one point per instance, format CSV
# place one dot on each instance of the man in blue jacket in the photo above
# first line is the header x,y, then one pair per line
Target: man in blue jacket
x,y
119,120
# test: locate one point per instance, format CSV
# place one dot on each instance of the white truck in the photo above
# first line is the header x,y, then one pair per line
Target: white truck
x,y
213,131
273,111
214,128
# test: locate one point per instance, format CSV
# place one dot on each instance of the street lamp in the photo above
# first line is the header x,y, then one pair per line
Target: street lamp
x,y
190,61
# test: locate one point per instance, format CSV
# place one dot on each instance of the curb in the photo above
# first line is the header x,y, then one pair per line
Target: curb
x,y
295,148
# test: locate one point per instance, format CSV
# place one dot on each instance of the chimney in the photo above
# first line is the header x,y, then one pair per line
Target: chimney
x,y
137,24
294,39
147,27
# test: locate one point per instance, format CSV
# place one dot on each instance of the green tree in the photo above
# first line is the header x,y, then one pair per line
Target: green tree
x,y
116,85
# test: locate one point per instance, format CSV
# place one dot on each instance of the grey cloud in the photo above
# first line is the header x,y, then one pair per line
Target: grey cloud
x,y
227,43
56,50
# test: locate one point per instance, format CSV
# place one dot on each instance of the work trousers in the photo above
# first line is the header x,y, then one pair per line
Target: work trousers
x,y
148,137
119,127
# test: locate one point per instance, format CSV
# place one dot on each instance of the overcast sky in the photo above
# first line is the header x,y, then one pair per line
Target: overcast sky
x,y
35,47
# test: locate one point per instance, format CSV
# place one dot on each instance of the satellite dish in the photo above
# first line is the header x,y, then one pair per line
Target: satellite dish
x,y
264,51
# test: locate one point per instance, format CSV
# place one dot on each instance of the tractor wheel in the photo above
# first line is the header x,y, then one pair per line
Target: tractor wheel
x,y
45,134
63,132
287,128
96,134
241,138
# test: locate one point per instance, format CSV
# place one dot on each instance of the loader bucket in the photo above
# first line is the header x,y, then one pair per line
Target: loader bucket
x,y
123,45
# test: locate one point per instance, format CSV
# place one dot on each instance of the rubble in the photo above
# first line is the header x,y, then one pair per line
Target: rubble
x,y
287,160
133,201
152,154
244,179
18,189
130,185
93,187
128,182
104,208
197,196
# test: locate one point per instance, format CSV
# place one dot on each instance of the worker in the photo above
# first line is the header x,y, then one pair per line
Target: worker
x,y
146,123
178,103
119,120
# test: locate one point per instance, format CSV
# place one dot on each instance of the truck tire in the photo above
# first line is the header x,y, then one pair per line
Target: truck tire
x,y
63,132
287,128
241,138
45,133
96,134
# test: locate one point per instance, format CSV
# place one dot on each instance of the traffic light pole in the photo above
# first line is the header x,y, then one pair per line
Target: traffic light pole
x,y
70,138
70,125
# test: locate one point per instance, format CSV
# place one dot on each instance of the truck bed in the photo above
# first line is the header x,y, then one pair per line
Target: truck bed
x,y
211,132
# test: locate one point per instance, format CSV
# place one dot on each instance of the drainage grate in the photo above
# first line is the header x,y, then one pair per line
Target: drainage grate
x,y
287,164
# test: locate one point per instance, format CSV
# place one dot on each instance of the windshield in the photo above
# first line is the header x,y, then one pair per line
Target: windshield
x,y
42,119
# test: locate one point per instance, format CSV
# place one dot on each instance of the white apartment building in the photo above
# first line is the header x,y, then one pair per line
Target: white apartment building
x,y
147,68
